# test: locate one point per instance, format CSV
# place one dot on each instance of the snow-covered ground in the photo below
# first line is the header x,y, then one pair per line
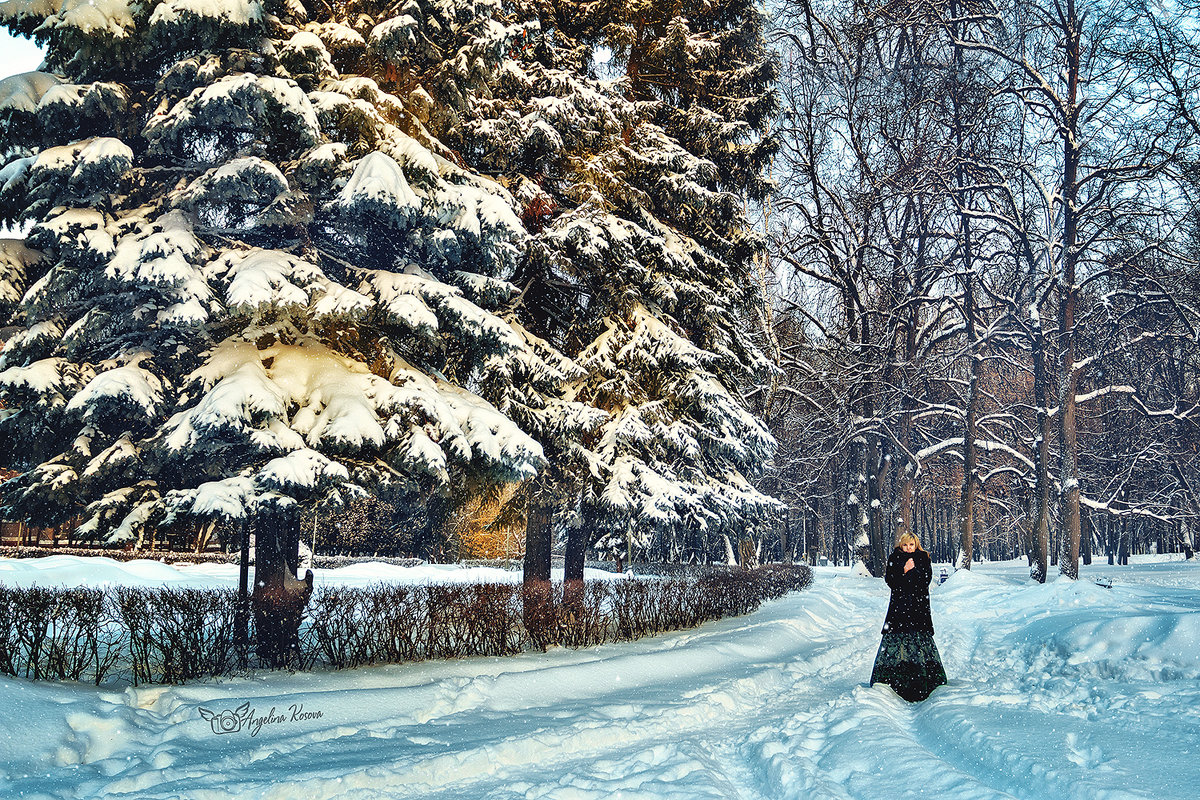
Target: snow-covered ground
x,y
99,571
1067,690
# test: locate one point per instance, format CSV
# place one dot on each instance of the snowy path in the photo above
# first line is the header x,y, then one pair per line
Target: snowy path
x,y
1058,691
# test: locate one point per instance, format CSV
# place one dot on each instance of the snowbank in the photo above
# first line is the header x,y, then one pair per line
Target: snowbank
x,y
101,571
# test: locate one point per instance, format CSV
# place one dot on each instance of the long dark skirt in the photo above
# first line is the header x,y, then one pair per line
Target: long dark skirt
x,y
910,664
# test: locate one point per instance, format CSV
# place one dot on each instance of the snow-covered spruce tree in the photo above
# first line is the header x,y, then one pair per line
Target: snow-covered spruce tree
x,y
640,269
540,121
255,281
448,59
699,69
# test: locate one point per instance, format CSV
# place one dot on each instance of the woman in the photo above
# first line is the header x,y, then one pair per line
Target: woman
x,y
908,659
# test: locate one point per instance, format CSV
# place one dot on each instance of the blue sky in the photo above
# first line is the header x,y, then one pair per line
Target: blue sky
x,y
17,54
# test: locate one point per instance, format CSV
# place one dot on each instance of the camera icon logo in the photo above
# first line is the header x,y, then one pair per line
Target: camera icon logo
x,y
228,721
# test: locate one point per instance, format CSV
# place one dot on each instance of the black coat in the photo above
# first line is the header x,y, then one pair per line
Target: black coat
x,y
909,610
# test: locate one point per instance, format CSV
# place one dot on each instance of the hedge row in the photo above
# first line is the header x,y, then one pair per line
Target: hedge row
x,y
161,635
170,635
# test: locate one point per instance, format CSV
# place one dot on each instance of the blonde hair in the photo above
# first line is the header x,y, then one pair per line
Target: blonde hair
x,y
910,537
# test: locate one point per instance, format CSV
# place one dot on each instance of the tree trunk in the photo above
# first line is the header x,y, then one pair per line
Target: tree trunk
x,y
1110,545
730,554
904,503
1040,568
962,198
1025,531
279,598
747,553
1123,542
875,513
538,531
875,469
785,547
577,543
1068,293
1087,534
1191,504
241,627
966,507
538,602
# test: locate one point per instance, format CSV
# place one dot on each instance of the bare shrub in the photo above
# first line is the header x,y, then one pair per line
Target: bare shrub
x,y
474,619
339,629
391,624
779,579
400,617
539,613
10,635
730,593
82,637
496,613
177,635
588,619
637,607
57,634
632,604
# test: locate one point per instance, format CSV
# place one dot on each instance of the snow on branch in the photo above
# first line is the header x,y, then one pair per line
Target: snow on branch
x,y
986,445
23,92
112,18
1126,511
203,21
248,181
87,168
378,186
129,385
163,255
239,102
32,344
300,469
1104,392
264,278
15,260
289,397
337,36
45,383
415,299
80,235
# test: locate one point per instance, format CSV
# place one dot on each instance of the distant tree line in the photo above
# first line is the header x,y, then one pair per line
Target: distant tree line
x,y
985,250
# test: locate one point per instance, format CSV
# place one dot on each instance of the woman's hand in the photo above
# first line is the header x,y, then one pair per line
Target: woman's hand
x,y
908,565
